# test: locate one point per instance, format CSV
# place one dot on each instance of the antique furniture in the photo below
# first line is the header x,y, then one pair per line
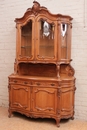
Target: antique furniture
x,y
43,83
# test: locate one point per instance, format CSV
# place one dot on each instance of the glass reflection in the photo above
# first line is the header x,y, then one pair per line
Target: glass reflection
x,y
26,39
46,29
63,29
46,45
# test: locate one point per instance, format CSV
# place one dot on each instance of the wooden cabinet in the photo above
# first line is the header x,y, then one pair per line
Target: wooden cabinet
x,y
43,82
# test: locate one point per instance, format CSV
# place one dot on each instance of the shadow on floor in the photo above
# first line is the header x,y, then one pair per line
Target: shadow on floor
x,y
39,120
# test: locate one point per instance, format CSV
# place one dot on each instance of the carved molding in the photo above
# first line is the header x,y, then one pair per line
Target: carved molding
x,y
45,109
26,89
44,91
25,57
45,57
67,110
15,67
70,71
67,70
37,9
18,104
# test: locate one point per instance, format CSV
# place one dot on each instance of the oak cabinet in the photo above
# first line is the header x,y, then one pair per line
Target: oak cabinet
x,y
43,82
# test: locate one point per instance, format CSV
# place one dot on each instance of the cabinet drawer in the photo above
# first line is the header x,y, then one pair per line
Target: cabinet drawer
x,y
19,81
67,83
33,83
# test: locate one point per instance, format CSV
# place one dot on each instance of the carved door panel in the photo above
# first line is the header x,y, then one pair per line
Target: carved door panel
x,y
67,101
44,100
46,41
20,97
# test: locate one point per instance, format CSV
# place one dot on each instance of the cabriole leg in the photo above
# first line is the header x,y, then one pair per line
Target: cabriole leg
x,y
58,122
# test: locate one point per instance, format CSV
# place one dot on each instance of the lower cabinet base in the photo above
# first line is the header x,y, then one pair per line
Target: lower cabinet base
x,y
33,115
42,97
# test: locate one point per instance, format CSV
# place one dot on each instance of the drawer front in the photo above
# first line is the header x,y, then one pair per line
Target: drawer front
x,y
34,83
20,81
68,83
39,83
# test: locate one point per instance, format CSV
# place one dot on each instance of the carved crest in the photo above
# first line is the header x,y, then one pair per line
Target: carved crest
x,y
36,7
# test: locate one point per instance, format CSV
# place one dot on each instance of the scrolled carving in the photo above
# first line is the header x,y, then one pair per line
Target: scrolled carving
x,y
15,66
70,71
36,7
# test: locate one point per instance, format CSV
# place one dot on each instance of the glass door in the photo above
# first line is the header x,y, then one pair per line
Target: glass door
x,y
26,41
46,40
65,41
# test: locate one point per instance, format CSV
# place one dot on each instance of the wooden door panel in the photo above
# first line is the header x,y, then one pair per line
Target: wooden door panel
x,y
20,96
44,100
67,101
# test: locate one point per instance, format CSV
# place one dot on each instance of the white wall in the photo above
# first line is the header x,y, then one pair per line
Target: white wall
x,y
11,9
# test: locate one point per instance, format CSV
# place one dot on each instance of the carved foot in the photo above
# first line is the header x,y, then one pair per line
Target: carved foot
x,y
72,118
57,122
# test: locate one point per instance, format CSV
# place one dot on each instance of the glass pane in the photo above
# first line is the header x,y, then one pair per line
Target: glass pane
x,y
26,39
64,30
46,45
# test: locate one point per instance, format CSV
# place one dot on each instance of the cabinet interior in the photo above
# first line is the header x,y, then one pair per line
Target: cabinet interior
x,y
41,70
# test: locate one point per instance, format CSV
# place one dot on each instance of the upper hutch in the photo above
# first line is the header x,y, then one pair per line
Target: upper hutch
x,y
43,82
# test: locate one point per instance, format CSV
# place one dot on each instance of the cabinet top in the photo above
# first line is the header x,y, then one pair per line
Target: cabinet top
x,y
37,9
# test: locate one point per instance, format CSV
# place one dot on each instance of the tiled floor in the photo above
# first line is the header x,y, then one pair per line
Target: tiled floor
x,y
20,122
